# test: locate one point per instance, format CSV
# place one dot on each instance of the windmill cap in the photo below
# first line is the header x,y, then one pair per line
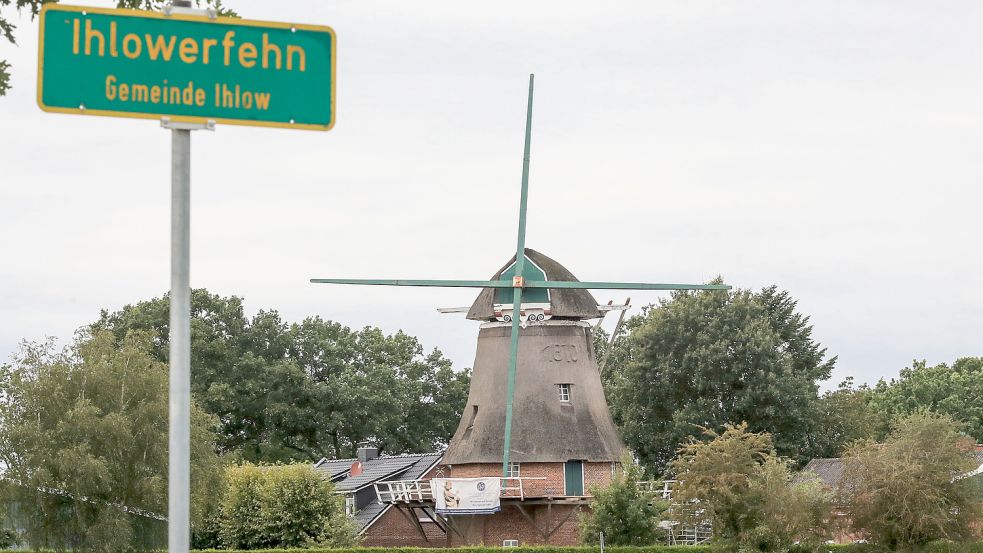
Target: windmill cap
x,y
565,303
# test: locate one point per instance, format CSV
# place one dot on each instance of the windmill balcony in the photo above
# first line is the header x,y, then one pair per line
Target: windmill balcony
x,y
419,491
527,487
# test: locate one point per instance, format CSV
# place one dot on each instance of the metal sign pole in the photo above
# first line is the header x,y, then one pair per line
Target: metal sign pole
x,y
179,413
179,443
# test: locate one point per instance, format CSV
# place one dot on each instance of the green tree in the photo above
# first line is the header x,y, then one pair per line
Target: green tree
x,y
282,506
316,388
83,436
955,390
704,359
737,482
625,514
8,537
906,491
846,415
33,7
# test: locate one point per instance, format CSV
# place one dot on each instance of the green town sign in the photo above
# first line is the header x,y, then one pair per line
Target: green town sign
x,y
187,68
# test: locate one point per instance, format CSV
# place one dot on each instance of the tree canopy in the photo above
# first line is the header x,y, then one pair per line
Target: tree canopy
x,y
955,390
735,480
845,415
83,436
305,390
708,358
907,491
851,413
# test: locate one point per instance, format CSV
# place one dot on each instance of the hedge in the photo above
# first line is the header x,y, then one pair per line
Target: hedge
x,y
938,547
488,549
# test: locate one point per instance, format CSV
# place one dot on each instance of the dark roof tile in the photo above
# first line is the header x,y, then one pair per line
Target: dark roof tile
x,y
401,467
829,471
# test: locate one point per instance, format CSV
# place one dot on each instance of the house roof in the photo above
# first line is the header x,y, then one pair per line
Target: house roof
x,y
334,468
365,516
384,467
830,470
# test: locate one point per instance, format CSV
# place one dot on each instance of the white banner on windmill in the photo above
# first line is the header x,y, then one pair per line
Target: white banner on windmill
x,y
467,496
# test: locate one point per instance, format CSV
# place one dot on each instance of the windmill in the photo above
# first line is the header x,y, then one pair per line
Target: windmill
x,y
522,280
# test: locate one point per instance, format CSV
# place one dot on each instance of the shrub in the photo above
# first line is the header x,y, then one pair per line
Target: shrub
x,y
905,492
282,506
737,482
626,515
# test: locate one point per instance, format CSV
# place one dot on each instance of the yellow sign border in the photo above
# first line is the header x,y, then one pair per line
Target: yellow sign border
x,y
201,19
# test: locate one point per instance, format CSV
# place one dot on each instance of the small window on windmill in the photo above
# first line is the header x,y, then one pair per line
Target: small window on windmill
x,y
510,543
513,471
474,415
564,393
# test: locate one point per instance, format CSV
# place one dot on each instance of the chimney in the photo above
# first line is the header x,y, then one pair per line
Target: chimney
x,y
367,452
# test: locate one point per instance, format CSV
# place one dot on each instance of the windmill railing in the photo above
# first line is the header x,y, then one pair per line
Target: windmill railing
x,y
522,486
658,488
416,491
403,491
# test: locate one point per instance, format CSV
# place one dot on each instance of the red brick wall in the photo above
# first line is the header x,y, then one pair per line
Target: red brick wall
x,y
394,529
510,524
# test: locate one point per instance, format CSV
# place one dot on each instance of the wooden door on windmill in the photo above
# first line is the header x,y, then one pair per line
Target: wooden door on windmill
x,y
573,477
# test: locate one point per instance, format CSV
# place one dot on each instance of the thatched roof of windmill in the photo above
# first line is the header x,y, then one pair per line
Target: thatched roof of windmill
x,y
565,303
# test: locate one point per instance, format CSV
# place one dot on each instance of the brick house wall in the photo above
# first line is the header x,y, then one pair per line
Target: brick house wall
x,y
511,524
394,529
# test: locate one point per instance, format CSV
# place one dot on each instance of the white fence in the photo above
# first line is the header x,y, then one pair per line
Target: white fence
x,y
411,491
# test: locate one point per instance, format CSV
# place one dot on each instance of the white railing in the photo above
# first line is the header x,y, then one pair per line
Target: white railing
x,y
406,491
679,535
660,488
676,532
403,491
517,486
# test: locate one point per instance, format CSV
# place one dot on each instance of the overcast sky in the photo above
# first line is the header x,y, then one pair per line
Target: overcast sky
x,y
831,149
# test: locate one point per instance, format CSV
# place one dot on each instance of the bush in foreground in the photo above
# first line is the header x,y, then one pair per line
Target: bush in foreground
x,y
906,492
281,506
625,514
736,481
